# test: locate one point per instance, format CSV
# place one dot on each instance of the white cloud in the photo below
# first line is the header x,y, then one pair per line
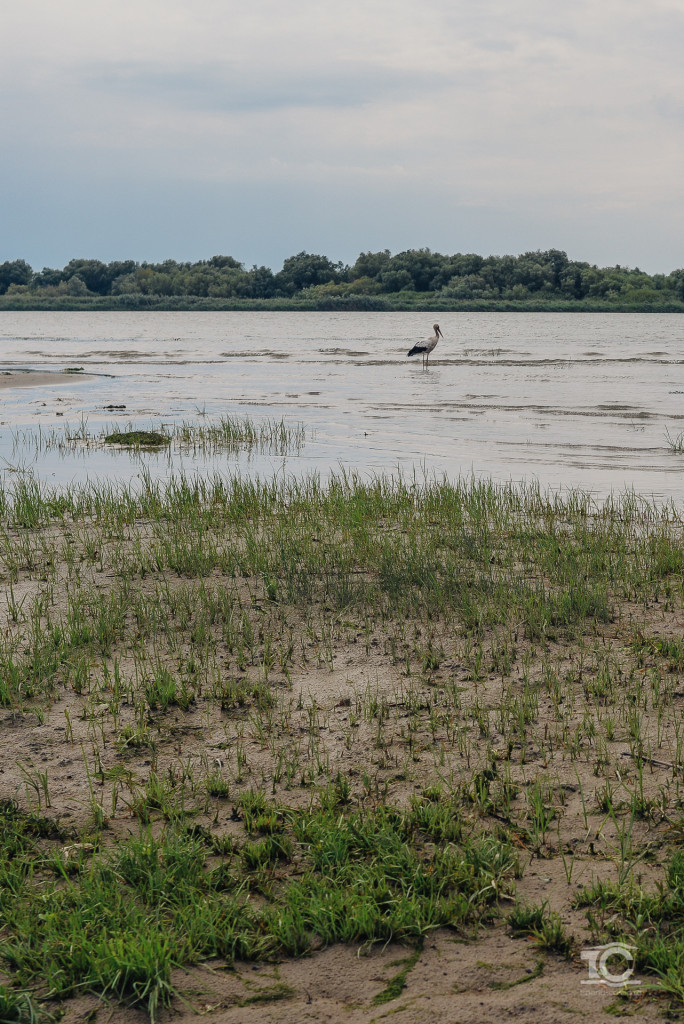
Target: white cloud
x,y
524,105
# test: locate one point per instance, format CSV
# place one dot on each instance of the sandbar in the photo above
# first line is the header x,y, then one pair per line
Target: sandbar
x,y
38,378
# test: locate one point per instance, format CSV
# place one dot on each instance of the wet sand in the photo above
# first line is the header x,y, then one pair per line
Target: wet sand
x,y
38,378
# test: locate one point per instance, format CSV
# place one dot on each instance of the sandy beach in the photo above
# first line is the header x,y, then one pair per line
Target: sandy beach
x,y
38,378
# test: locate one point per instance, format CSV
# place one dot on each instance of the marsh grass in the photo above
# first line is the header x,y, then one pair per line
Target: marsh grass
x,y
20,1008
132,913
137,438
543,926
650,919
340,712
227,433
675,442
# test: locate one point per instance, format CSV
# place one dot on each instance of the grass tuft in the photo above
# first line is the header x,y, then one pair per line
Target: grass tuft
x,y
137,438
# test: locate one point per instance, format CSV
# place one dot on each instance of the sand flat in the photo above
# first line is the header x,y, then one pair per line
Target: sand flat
x,y
38,378
351,701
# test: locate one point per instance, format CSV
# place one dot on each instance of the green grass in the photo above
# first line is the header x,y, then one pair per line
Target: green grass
x,y
137,438
675,443
488,559
20,1008
203,437
129,915
397,983
650,919
543,926
669,648
177,632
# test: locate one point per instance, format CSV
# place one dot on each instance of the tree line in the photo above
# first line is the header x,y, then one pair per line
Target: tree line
x,y
377,280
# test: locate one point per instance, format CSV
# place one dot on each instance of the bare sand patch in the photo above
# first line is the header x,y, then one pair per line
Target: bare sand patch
x,y
39,378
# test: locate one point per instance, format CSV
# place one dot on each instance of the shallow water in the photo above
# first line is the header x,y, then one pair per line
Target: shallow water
x,y
568,399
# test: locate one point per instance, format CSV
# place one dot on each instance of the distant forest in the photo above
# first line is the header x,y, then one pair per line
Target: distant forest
x,y
416,279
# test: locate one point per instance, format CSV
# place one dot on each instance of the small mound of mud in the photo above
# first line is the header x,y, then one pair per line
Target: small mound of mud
x,y
138,439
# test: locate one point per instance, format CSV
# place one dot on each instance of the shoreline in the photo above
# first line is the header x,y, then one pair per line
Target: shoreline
x,y
38,378
366,305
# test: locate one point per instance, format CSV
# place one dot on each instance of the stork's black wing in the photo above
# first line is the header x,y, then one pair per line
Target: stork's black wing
x,y
416,349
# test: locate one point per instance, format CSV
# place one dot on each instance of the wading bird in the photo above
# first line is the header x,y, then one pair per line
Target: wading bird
x,y
426,347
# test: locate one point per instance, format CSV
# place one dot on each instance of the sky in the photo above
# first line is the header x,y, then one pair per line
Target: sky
x,y
155,129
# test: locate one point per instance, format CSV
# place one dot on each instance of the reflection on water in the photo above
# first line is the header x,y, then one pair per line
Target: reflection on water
x,y
569,399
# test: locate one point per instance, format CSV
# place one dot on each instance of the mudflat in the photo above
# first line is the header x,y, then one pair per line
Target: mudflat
x,y
38,378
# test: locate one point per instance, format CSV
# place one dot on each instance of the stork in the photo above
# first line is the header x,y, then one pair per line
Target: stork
x,y
426,347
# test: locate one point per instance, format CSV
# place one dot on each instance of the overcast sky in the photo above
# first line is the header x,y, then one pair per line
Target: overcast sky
x,y
185,128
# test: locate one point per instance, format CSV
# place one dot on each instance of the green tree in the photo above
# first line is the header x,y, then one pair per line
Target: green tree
x,y
465,264
93,274
370,264
14,272
396,280
675,282
260,283
422,266
305,270
221,262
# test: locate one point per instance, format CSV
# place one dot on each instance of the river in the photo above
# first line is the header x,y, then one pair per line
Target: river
x,y
589,400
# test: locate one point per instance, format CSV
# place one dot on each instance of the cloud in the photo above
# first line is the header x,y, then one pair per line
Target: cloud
x,y
544,117
229,88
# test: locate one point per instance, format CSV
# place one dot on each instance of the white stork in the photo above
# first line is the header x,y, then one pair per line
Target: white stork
x,y
426,347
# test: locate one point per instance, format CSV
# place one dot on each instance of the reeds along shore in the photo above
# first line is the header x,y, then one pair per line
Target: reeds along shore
x,y
227,433
341,712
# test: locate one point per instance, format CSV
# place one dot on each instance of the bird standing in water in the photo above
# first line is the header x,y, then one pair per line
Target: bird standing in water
x,y
426,347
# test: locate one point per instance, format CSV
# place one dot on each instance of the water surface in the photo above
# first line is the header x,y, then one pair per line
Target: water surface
x,y
568,399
